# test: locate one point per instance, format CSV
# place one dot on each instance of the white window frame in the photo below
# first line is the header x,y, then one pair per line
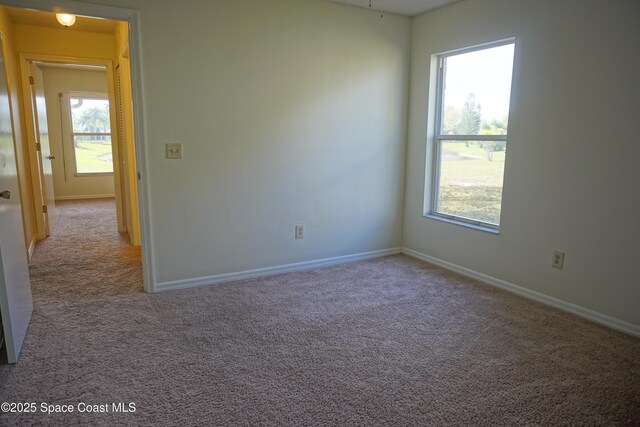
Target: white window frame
x,y
439,137
86,95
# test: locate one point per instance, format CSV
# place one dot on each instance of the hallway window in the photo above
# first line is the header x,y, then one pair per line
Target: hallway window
x,y
91,133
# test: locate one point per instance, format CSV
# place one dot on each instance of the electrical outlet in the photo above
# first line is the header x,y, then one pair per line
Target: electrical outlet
x,y
174,151
299,231
557,260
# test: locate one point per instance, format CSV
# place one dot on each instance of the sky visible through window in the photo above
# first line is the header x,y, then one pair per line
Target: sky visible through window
x,y
485,74
90,115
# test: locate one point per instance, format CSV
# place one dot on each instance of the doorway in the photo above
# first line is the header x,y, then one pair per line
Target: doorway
x,y
79,129
80,138
79,116
43,161
79,149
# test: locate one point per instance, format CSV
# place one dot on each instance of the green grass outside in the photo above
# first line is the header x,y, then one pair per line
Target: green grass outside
x,y
470,184
93,156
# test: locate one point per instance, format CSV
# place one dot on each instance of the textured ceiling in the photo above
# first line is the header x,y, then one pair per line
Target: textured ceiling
x,y
401,7
47,19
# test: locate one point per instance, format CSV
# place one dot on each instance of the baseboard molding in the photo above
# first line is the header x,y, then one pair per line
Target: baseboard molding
x,y
86,196
31,248
268,271
586,313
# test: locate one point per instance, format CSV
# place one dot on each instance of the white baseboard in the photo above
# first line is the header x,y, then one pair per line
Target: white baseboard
x,y
268,271
32,246
86,196
594,316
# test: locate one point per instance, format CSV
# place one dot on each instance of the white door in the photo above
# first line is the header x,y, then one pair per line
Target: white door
x,y
41,130
15,290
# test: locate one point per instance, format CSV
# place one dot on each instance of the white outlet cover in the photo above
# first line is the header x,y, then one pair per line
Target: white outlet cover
x,y
557,260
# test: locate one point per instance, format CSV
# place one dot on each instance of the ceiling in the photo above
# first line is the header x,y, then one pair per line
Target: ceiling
x,y
48,19
401,7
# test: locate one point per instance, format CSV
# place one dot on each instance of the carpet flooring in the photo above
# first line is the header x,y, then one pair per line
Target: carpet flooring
x,y
391,341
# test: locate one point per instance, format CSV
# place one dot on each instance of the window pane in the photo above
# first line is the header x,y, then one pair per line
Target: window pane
x,y
93,154
477,88
471,176
90,115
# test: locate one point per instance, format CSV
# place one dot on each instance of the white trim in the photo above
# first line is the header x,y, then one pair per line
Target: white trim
x,y
88,95
86,196
464,222
139,129
32,247
68,138
586,313
481,46
268,271
432,210
471,138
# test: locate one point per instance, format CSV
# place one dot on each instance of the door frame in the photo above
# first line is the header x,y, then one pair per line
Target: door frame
x,y
25,60
132,17
35,162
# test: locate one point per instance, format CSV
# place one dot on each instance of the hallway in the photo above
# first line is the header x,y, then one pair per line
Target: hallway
x,y
85,258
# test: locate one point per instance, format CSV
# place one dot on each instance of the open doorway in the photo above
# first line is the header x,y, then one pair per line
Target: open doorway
x,y
81,164
79,127
76,155
78,112
87,230
76,138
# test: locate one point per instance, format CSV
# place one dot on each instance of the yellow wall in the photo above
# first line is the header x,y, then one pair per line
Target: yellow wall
x,y
20,38
122,60
83,46
63,42
13,81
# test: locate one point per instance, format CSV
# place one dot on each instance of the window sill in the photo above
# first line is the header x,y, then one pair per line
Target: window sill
x,y
462,223
92,174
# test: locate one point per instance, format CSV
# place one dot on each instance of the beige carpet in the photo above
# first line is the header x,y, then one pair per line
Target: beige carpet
x,y
391,341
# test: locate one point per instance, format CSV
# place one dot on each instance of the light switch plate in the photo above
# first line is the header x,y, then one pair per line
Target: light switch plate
x,y
174,151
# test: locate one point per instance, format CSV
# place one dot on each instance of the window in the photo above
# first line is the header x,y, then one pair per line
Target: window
x,y
91,135
470,143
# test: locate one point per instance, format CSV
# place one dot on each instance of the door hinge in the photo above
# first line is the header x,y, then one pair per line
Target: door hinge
x,y
38,146
44,209
138,176
32,81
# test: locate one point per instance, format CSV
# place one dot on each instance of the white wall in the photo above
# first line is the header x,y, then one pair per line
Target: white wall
x,y
572,179
62,80
290,111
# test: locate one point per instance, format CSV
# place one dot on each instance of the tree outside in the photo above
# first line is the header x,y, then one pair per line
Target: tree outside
x,y
471,172
92,152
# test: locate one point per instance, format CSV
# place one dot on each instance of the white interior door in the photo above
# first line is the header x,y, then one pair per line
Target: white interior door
x,y
15,290
49,211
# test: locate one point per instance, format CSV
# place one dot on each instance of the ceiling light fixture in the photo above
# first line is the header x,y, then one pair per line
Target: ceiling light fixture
x,y
66,19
